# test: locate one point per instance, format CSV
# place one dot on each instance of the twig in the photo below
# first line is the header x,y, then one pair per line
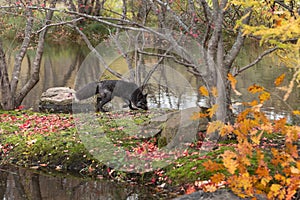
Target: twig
x,y
60,23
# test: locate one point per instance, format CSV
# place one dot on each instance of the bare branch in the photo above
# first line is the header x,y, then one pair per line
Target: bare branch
x,y
91,47
259,58
176,17
60,23
236,47
168,56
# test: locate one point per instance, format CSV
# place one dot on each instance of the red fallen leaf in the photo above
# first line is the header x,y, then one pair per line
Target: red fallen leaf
x,y
153,180
185,153
191,189
21,107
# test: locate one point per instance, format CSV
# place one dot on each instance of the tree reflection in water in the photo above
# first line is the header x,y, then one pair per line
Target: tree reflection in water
x,y
19,184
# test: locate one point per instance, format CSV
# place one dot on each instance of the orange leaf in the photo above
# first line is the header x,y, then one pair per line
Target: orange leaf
x,y
233,82
196,116
203,91
255,88
264,97
229,160
217,178
279,79
212,166
226,129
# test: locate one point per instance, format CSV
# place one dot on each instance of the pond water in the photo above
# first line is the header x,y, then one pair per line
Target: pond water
x,y
61,65
22,184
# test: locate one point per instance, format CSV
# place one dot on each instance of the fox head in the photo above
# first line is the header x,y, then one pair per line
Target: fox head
x,y
141,101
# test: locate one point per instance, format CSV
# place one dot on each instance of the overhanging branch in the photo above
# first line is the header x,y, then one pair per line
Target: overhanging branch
x,y
259,58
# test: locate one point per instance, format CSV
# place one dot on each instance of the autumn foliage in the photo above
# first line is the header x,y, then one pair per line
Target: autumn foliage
x,y
254,166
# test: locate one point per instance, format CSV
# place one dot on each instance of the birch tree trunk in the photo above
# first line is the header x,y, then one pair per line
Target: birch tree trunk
x,y
7,102
11,98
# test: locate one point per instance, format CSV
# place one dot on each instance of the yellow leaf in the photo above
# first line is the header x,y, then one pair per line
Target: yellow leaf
x,y
203,91
264,97
280,177
296,112
275,188
212,110
209,188
214,92
279,79
294,170
256,138
265,181
213,126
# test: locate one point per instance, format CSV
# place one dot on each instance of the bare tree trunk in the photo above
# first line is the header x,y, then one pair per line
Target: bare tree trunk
x,y
34,78
7,99
20,56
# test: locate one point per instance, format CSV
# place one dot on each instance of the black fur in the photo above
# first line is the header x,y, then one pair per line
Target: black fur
x,y
106,90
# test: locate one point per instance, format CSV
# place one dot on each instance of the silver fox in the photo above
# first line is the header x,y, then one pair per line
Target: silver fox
x,y
106,90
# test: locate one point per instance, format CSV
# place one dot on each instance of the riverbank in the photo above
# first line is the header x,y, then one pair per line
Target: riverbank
x,y
51,141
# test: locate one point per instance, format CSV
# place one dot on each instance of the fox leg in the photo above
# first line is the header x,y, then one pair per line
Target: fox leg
x,y
101,101
128,103
97,104
130,106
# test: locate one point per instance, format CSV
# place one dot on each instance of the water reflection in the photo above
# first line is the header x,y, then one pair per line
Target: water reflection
x,y
20,184
61,64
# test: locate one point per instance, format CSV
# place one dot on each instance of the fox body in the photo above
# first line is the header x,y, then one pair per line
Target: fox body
x,y
106,90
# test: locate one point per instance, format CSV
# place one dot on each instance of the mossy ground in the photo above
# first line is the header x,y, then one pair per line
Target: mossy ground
x,y
44,140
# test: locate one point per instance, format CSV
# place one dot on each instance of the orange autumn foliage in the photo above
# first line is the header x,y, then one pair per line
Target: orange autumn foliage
x,y
276,171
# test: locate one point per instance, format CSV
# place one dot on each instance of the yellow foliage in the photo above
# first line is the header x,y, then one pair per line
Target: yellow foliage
x,y
212,110
212,166
296,112
214,92
203,91
214,126
255,89
230,162
264,97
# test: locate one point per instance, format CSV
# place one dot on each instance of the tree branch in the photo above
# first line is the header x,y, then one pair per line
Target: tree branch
x,y
259,58
61,23
236,47
34,78
91,47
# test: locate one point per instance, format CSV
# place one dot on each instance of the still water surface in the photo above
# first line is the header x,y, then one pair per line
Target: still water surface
x,y
24,184
59,68
61,65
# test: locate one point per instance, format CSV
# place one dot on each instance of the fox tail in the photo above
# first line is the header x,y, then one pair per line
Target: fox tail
x,y
87,91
